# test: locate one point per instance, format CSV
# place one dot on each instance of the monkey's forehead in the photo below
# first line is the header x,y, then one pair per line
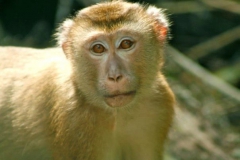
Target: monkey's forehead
x,y
110,13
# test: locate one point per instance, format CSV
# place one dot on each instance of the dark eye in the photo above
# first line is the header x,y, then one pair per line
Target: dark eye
x,y
98,48
125,44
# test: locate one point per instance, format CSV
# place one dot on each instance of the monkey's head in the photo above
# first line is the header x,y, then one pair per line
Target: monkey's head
x,y
115,49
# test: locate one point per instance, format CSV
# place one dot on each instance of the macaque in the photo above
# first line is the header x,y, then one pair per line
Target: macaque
x,y
99,96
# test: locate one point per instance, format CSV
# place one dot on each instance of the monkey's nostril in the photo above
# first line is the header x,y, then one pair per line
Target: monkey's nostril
x,y
119,78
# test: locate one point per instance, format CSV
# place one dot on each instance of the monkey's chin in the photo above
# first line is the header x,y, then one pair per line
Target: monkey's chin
x,y
120,100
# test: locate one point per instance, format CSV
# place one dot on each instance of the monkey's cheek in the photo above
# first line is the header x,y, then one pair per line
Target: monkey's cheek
x,y
119,101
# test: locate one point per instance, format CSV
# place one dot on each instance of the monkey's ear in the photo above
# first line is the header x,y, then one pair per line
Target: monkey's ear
x,y
161,25
63,34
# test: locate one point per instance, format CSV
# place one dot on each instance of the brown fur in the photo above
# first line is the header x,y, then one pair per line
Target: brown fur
x,y
53,107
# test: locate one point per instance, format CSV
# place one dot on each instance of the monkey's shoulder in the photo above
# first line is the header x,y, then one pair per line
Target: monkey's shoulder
x,y
19,62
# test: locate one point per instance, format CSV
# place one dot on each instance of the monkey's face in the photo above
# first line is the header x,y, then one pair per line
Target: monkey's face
x,y
109,63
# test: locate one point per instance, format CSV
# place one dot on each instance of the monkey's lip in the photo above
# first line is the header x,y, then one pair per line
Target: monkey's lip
x,y
120,94
119,99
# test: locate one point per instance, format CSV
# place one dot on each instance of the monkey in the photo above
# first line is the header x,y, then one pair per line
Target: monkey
x,y
100,95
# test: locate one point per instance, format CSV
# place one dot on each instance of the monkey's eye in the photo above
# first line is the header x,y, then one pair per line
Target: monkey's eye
x,y
125,44
98,48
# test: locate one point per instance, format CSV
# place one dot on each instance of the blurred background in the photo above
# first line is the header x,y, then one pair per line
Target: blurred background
x,y
202,65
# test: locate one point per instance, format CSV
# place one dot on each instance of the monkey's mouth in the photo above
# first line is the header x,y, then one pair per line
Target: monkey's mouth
x,y
119,99
120,94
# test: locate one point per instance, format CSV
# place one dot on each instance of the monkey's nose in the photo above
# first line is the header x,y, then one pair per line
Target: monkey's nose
x,y
115,77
